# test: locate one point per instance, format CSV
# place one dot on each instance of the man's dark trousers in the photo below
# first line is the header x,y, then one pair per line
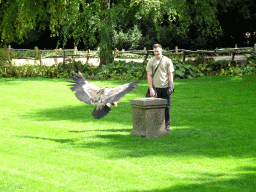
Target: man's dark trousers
x,y
162,93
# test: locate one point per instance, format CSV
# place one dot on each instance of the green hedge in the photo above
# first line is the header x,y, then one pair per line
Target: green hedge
x,y
120,70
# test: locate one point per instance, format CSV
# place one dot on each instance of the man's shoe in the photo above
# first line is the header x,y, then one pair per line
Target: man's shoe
x,y
168,129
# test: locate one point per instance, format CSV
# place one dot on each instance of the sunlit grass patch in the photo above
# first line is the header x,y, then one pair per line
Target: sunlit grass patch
x,y
50,141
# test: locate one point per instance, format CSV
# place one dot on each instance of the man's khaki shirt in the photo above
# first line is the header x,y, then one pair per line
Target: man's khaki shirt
x,y
160,78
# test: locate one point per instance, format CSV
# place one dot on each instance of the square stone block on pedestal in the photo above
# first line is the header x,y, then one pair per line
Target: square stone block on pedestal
x,y
149,117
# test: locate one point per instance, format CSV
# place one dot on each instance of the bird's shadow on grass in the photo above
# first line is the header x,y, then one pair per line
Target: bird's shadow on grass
x,y
71,113
100,130
81,113
62,141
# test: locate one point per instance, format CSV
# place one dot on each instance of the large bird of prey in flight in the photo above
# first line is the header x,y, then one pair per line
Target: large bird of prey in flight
x,y
89,93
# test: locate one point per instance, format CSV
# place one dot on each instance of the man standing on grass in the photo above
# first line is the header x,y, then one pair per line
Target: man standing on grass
x,y
161,84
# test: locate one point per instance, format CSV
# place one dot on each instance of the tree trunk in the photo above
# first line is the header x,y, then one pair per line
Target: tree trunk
x,y
106,55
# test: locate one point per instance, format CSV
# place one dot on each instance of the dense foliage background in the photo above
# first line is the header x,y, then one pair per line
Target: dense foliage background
x,y
127,24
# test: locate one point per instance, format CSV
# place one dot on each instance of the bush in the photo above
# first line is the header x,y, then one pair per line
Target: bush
x,y
251,59
119,70
250,66
4,61
4,57
129,40
247,68
55,71
231,70
206,66
114,71
183,70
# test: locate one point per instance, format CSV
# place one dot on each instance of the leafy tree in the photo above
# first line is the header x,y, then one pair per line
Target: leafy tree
x,y
96,22
184,13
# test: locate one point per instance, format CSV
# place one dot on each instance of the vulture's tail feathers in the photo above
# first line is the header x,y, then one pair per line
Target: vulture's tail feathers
x,y
99,113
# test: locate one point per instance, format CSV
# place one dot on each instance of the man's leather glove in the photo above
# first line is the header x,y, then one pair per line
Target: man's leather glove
x,y
170,89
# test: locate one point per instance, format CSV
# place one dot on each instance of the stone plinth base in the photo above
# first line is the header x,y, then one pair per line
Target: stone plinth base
x,y
149,117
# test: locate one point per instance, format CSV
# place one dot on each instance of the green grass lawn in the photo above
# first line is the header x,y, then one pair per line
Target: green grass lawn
x,y
50,142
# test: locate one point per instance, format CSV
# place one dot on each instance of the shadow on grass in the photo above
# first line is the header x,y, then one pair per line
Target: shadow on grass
x,y
243,179
16,81
83,112
63,141
182,142
105,131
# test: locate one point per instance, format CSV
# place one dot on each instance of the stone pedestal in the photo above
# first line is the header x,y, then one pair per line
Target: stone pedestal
x,y
149,117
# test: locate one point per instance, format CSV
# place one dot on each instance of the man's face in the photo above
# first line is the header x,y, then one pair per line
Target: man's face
x,y
158,52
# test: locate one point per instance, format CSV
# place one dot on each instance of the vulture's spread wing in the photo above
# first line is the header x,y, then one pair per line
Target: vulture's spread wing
x,y
91,94
115,94
85,90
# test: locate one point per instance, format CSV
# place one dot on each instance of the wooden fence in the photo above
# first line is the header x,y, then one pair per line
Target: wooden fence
x,y
74,53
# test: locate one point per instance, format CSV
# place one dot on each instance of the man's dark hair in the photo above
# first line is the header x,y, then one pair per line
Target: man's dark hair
x,y
157,45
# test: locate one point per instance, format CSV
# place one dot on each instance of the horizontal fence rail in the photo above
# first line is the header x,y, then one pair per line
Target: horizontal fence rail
x,y
37,54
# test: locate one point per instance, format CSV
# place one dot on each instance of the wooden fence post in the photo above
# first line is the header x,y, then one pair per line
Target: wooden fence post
x,y
75,50
37,54
145,60
41,55
184,56
216,51
233,56
10,52
176,50
88,56
64,57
